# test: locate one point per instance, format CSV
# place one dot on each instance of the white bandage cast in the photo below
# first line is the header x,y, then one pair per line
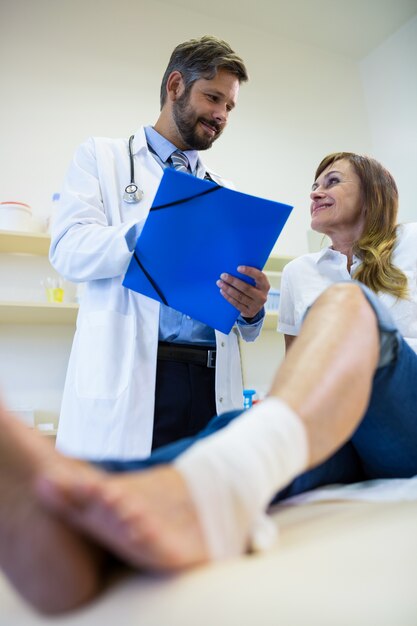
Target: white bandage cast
x,y
234,474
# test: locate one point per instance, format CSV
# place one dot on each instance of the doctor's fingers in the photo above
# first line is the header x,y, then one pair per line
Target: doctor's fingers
x,y
247,308
248,299
258,276
257,292
243,307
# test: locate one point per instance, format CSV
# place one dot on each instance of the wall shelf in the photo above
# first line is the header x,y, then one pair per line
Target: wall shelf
x,y
38,313
273,269
38,243
276,263
17,312
58,313
24,243
271,320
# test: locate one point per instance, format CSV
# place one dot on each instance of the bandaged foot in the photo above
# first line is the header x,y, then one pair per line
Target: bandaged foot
x,y
208,505
233,475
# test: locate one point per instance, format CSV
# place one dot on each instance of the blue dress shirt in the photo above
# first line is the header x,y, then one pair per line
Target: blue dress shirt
x,y
174,326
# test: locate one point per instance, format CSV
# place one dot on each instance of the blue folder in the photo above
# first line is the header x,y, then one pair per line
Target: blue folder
x,y
196,230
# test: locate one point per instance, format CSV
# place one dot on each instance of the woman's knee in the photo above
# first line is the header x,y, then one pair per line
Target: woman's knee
x,y
348,294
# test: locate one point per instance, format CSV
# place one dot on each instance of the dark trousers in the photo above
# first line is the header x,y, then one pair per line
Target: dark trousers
x,y
184,401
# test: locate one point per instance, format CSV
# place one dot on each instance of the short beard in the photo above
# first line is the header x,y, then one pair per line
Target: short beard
x,y
186,122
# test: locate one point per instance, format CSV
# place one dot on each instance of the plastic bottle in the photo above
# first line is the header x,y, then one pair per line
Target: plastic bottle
x,y
54,208
248,398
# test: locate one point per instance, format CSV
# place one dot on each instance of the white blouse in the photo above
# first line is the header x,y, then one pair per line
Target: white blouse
x,y
306,277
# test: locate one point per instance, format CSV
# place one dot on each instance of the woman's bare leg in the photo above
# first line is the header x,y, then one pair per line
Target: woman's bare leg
x,y
326,377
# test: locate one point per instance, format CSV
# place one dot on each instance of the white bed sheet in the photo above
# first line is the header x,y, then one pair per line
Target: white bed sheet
x,y
338,563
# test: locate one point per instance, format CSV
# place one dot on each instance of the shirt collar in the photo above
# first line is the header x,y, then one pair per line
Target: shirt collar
x,y
165,148
329,253
326,253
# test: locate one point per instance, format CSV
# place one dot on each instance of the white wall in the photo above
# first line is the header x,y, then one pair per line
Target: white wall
x,y
93,67
80,68
389,76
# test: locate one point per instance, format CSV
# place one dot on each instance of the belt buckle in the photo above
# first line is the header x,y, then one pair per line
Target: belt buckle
x,y
211,358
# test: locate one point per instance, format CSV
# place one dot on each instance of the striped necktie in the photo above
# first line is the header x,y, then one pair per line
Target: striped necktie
x,y
180,162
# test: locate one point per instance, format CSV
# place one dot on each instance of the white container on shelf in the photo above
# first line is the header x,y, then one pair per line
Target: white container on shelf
x,y
53,210
17,216
272,302
25,414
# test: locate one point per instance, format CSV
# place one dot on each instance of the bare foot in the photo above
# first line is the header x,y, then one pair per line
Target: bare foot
x,y
48,563
146,518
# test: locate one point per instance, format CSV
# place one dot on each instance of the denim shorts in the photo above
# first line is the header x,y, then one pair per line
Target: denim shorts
x,y
389,335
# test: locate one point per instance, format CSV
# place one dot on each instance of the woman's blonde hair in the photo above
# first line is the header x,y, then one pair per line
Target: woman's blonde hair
x,y
377,242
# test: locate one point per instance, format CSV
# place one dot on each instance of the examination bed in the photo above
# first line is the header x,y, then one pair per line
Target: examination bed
x,y
345,556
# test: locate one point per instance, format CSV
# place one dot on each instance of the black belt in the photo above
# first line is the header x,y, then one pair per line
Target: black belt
x,y
198,355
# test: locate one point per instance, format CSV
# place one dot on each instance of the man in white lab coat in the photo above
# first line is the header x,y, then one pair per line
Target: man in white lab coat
x,y
140,373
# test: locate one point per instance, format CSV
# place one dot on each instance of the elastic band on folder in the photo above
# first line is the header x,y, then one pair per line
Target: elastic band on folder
x,y
197,195
151,280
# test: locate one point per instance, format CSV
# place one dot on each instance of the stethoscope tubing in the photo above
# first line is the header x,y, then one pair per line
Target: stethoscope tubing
x,y
132,193
132,166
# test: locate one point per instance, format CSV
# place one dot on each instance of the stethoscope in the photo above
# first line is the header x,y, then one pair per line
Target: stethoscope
x,y
132,193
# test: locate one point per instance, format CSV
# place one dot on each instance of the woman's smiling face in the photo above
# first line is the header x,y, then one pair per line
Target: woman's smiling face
x,y
336,201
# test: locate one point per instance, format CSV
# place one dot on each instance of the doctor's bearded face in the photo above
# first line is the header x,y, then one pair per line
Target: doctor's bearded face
x,y
201,113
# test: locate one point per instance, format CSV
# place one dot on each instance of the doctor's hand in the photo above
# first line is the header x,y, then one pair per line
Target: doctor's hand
x,y
248,299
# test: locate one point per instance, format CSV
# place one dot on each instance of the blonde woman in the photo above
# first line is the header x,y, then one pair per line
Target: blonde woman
x,y
354,201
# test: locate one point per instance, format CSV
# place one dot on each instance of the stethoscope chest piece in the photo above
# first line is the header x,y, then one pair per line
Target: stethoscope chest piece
x,y
132,194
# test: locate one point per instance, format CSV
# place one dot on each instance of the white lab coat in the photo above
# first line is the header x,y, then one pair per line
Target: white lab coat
x,y
108,401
